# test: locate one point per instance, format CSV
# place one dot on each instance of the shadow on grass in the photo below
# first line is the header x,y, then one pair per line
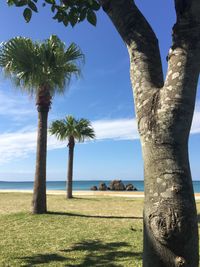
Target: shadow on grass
x,y
102,254
86,198
82,198
42,258
92,216
94,253
198,218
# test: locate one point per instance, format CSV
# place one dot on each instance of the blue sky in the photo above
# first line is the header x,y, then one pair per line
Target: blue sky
x,y
103,95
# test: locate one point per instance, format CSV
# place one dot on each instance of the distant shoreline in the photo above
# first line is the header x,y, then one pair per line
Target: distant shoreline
x,y
78,185
89,180
86,180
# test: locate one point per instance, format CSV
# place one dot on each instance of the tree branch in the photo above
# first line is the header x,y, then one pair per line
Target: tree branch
x,y
145,62
140,40
187,11
179,92
184,55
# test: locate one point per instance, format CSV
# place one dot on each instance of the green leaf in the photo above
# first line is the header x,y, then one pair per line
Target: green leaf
x,y
10,2
91,17
83,14
75,10
53,8
21,3
65,21
59,16
69,2
27,14
50,2
95,5
32,6
73,16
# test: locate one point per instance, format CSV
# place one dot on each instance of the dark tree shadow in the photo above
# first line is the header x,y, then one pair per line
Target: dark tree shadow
x,y
94,253
103,254
42,258
93,216
198,218
84,198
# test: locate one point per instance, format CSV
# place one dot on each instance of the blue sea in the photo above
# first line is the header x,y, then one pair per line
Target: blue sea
x,y
77,185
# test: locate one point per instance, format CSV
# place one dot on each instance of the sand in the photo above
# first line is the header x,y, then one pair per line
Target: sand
x,y
91,193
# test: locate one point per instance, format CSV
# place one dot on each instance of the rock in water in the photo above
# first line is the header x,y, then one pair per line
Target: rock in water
x,y
130,187
94,188
102,187
117,185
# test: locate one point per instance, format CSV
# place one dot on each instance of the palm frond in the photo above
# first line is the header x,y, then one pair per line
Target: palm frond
x,y
57,128
18,59
74,53
31,64
79,129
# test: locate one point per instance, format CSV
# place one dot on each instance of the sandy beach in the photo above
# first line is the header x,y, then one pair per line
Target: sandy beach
x,y
91,193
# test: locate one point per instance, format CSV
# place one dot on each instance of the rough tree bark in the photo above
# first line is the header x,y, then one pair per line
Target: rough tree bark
x,y
43,103
164,111
71,145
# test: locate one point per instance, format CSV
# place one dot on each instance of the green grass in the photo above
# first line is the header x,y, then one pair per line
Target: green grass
x,y
86,231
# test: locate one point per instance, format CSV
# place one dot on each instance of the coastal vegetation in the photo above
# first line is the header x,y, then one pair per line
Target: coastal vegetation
x,y
43,70
73,130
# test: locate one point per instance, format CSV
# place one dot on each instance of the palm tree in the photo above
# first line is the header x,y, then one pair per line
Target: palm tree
x,y
72,130
41,69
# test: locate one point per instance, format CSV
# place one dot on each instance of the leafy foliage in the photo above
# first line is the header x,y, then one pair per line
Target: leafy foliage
x,y
32,64
65,11
27,14
70,127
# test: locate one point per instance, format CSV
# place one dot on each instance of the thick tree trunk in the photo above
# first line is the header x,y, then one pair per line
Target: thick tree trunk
x,y
39,194
170,225
70,167
164,112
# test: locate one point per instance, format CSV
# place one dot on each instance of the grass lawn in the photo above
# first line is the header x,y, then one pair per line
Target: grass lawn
x,y
86,231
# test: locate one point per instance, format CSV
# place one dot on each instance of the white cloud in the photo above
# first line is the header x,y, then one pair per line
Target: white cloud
x,y
17,145
118,129
17,107
196,123
196,120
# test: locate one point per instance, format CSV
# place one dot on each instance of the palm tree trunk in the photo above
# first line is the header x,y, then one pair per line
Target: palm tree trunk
x,y
43,102
70,167
39,194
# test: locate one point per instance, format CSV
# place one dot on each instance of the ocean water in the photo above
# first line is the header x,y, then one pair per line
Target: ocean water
x,y
77,185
